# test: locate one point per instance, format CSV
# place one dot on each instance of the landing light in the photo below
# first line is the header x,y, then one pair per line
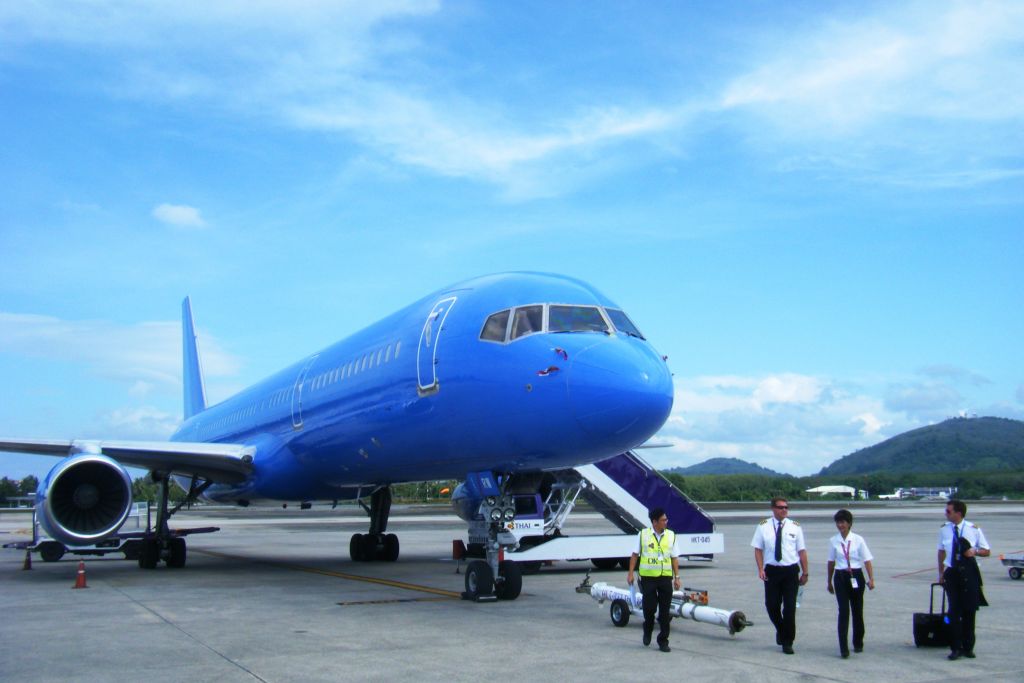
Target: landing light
x,y
495,515
491,501
510,514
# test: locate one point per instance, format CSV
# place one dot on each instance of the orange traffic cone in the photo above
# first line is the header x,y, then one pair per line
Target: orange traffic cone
x,y
28,560
80,581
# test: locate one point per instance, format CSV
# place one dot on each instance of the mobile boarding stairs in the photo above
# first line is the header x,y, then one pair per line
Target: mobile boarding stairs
x,y
622,488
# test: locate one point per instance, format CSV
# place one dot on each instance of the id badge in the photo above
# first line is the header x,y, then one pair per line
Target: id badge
x,y
853,583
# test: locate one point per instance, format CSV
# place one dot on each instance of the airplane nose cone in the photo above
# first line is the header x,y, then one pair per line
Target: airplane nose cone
x,y
620,390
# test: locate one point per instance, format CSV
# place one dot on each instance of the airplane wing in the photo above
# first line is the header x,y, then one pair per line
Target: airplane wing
x,y
217,462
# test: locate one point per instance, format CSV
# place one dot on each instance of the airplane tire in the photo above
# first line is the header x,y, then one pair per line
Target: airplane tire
x,y
51,551
479,579
178,553
370,549
1015,573
605,562
149,554
390,551
512,586
355,548
620,613
531,567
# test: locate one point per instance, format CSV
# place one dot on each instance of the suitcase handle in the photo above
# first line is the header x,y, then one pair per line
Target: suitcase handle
x,y
931,599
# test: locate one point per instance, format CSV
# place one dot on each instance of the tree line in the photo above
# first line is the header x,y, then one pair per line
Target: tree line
x,y
705,487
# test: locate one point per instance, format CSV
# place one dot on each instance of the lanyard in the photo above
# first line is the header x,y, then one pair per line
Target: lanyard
x,y
846,552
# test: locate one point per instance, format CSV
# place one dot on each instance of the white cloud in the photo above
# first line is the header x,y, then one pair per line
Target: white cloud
x,y
913,78
787,422
141,355
138,423
179,215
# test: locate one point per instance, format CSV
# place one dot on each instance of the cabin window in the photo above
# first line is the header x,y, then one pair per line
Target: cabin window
x,y
495,327
398,347
387,353
576,319
380,354
527,320
623,323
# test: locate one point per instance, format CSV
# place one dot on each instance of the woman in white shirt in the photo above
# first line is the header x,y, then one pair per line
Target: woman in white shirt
x,y
849,557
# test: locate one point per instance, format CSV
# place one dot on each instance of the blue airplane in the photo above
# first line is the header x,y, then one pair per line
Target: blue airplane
x,y
492,381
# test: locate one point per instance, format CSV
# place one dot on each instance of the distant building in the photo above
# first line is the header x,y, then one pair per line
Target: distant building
x,y
840,490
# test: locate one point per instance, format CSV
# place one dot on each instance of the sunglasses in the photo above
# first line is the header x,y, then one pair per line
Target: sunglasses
x,y
781,507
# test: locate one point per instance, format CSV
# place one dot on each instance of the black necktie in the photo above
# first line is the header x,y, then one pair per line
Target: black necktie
x,y
956,546
778,543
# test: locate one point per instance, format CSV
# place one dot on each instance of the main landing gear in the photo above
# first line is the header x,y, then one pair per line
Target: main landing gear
x,y
375,545
160,544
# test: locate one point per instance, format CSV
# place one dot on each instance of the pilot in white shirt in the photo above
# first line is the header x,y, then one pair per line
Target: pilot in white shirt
x,y
781,559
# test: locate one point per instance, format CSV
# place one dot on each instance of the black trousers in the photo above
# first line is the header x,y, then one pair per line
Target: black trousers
x,y
851,600
780,600
657,592
963,608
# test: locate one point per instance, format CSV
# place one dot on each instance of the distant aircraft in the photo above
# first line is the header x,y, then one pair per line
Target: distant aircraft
x,y
492,381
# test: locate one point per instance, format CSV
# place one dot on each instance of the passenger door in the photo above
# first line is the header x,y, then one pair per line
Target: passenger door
x,y
426,351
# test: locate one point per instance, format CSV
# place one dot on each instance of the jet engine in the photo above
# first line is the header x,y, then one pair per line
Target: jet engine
x,y
84,499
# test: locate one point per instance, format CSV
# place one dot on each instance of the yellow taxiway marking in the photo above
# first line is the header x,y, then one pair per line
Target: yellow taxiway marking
x,y
340,575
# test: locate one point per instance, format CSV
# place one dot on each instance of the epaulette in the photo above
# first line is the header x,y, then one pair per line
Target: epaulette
x,y
795,522
766,521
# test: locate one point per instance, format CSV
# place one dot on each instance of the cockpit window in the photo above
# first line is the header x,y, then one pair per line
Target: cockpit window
x,y
494,328
575,319
623,323
527,320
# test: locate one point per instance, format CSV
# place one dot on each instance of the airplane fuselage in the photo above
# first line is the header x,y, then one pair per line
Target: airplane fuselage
x,y
431,392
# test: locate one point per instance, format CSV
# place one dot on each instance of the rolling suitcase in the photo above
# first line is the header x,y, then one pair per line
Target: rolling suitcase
x,y
930,628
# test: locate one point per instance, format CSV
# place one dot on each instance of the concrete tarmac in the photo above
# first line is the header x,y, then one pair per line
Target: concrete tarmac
x,y
274,597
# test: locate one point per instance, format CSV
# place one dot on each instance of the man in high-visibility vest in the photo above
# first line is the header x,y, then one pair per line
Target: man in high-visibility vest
x,y
659,574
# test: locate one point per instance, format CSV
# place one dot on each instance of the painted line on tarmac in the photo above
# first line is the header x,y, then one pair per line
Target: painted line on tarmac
x,y
339,575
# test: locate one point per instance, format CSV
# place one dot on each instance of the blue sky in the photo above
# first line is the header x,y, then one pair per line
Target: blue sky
x,y
814,208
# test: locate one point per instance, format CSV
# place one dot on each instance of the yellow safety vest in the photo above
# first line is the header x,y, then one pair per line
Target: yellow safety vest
x,y
655,556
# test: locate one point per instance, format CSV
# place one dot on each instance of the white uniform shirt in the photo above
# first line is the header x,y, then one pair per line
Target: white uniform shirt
x,y
792,541
853,546
966,530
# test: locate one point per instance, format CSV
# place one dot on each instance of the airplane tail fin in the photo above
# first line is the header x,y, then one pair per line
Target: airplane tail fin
x,y
192,371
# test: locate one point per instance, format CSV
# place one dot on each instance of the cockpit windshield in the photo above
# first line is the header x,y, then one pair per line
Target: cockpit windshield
x,y
514,323
575,319
623,323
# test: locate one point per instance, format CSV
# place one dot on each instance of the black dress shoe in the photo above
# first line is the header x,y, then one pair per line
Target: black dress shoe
x,y
788,649
954,655
858,649
778,639
664,647
969,654
647,639
844,655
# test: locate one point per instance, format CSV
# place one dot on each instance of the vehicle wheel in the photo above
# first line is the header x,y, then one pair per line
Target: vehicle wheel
x,y
479,579
531,567
512,586
51,551
178,553
620,613
355,548
370,547
1015,572
389,552
131,550
605,562
149,554
624,563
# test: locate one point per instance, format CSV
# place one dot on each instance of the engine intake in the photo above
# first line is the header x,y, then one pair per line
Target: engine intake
x,y
84,499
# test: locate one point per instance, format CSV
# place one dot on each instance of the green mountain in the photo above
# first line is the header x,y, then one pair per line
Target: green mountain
x,y
725,466
956,445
